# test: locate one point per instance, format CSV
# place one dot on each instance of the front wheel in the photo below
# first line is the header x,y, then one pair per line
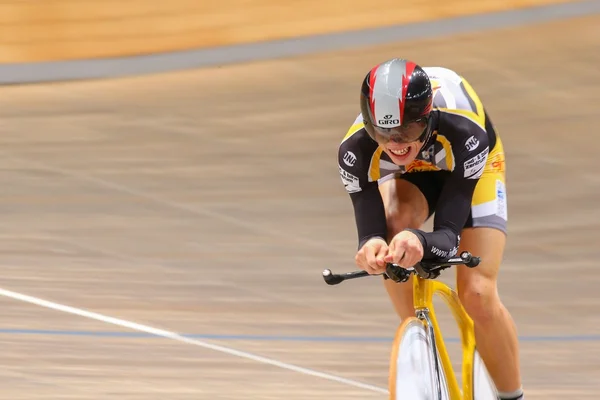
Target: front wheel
x,y
483,387
413,372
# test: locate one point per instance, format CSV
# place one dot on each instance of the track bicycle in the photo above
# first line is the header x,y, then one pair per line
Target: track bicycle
x,y
420,368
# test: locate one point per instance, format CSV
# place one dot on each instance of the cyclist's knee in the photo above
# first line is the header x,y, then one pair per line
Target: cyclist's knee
x,y
480,299
477,287
401,217
405,205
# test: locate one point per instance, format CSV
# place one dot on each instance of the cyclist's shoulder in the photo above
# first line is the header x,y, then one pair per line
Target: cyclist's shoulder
x,y
357,139
459,111
355,154
452,92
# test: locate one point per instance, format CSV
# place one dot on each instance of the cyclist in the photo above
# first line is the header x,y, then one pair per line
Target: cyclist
x,y
424,144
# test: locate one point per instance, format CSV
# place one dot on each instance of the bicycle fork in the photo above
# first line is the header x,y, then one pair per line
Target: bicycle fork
x,y
423,315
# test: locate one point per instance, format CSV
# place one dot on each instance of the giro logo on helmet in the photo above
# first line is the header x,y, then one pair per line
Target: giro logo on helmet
x,y
387,120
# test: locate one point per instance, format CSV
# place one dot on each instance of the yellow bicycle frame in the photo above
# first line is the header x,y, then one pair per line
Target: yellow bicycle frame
x,y
424,289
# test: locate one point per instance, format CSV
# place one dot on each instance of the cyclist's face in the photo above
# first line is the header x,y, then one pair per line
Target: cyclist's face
x,y
402,144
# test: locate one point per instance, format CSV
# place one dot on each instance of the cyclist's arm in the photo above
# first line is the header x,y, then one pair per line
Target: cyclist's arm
x,y
454,204
369,212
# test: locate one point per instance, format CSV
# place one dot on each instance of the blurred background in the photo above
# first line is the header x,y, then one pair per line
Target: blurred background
x,y
170,194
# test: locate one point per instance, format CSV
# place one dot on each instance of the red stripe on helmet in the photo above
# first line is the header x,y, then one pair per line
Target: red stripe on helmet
x,y
372,78
409,69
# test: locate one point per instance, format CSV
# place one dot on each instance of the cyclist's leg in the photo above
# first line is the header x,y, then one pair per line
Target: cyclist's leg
x,y
408,201
495,331
485,235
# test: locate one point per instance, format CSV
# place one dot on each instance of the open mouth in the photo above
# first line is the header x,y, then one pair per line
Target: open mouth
x,y
400,152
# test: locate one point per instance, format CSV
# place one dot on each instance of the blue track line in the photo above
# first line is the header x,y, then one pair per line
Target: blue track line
x,y
303,338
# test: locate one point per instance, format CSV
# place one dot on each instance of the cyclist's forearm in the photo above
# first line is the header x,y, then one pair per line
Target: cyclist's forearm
x,y
439,244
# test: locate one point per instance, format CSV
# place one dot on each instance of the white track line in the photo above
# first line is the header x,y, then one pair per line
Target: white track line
x,y
183,339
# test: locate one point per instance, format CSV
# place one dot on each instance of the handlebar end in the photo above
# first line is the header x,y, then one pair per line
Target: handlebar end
x,y
330,278
470,260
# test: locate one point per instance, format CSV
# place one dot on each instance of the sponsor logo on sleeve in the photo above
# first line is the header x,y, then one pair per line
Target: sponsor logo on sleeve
x,y
474,166
444,253
349,158
472,143
351,182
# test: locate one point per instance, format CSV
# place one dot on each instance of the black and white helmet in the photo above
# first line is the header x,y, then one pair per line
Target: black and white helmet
x,y
395,100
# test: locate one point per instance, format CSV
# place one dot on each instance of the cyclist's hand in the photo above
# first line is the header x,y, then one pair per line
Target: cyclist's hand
x,y
405,250
371,255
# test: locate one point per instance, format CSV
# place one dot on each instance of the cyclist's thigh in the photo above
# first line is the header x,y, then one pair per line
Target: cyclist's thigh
x,y
485,231
410,199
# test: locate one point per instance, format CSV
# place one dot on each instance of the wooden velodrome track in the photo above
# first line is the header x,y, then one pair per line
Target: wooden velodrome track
x,y
208,202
